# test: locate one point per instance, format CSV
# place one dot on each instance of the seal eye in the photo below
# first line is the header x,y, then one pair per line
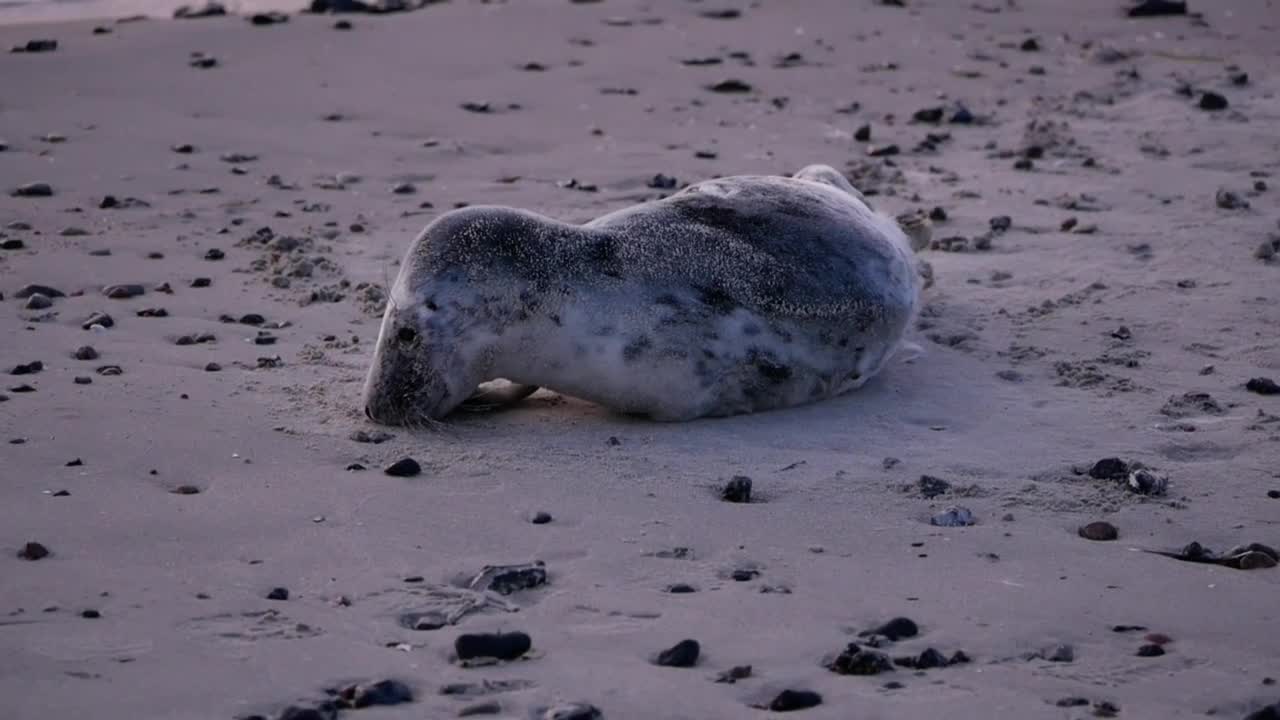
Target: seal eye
x,y
406,335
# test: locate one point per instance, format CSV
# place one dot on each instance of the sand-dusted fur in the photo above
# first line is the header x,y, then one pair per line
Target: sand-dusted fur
x,y
734,295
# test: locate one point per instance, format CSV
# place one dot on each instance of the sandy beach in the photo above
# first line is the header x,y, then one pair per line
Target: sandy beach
x,y
236,197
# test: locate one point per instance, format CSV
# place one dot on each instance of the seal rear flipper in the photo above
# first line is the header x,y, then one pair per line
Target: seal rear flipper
x,y
496,394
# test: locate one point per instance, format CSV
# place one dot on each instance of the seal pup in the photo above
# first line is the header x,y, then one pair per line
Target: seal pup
x,y
734,295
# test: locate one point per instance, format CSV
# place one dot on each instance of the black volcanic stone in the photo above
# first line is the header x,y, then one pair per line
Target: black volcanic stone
x,y
1156,8
1213,101
502,646
855,660
278,594
897,629
33,551
30,368
27,291
1109,469
737,490
383,692
789,700
682,655
406,467
1263,386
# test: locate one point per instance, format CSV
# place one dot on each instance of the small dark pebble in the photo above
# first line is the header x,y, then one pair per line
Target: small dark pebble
x,y
931,486
268,18
38,302
502,646
82,380
293,712
187,490
662,182
90,614
1109,469
212,367
201,282
789,700
33,551
98,318
540,518
508,579
355,467
1212,101
854,660
953,517
681,589
36,46
1105,709
683,654
23,388
278,594
930,115
1150,650
406,467
31,190
30,368
730,86
123,292
1273,494
1263,386
1072,702
74,463
12,244
737,490
214,254
1101,531
383,692
1154,8
734,674
27,291
896,629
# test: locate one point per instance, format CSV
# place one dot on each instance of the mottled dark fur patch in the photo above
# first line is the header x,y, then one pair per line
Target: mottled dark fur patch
x,y
718,300
634,349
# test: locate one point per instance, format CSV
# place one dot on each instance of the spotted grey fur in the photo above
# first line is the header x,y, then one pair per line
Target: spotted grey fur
x,y
733,295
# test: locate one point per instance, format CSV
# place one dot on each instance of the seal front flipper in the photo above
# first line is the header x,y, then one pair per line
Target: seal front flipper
x,y
496,394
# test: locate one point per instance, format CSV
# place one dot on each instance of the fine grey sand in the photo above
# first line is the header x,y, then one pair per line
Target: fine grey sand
x,y
1122,281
